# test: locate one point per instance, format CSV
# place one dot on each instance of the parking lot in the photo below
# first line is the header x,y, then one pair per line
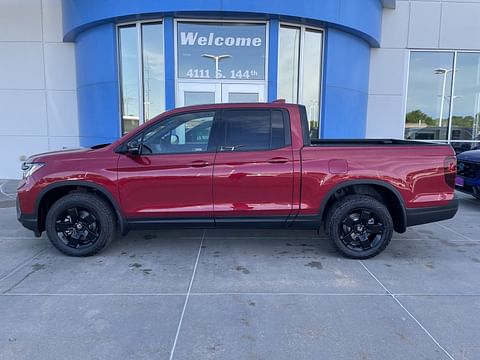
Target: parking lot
x,y
242,294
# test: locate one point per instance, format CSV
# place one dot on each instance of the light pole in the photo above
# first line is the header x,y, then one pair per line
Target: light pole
x,y
442,103
217,58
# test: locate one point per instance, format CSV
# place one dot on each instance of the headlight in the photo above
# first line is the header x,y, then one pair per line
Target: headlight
x,y
30,168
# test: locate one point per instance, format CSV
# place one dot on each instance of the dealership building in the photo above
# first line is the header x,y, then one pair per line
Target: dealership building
x,y
83,72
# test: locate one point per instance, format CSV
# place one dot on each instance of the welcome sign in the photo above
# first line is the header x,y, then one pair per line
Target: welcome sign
x,y
221,51
191,38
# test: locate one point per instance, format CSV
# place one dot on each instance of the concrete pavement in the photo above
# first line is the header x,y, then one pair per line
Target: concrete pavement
x,y
242,294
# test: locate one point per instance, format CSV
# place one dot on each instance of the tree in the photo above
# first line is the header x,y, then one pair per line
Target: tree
x,y
418,117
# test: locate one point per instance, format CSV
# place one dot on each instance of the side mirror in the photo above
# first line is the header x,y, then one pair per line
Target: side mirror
x,y
133,148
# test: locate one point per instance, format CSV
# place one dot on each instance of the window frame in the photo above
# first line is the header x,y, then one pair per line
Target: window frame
x,y
451,93
208,144
140,70
212,141
303,28
221,131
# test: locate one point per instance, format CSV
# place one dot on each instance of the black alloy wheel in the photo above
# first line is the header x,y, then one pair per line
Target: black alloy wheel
x,y
80,224
77,227
361,230
359,226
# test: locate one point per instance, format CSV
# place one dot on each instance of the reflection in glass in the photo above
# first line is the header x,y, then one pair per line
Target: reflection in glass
x,y
248,129
237,97
299,70
221,51
148,67
466,99
312,64
460,147
185,133
129,78
153,70
198,97
288,63
429,95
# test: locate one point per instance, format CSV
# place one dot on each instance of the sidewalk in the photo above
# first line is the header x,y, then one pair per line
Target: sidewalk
x,y
242,294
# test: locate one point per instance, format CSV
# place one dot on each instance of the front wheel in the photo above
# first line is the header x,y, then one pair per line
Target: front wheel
x,y
80,224
359,226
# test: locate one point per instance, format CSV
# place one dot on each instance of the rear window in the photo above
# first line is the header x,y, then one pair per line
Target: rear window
x,y
254,129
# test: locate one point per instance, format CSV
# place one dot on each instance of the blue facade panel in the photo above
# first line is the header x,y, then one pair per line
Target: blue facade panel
x,y
345,114
97,81
169,56
273,59
363,17
352,28
345,91
353,13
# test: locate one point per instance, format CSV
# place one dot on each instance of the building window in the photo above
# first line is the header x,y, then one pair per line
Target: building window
x,y
220,62
443,102
300,69
142,73
221,51
129,78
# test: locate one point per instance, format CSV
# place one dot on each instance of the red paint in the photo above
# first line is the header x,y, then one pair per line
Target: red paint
x,y
257,183
289,181
166,185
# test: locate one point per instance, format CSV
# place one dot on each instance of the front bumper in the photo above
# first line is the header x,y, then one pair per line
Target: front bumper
x,y
28,221
432,214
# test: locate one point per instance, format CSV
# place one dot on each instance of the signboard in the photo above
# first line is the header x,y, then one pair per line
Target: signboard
x,y
221,51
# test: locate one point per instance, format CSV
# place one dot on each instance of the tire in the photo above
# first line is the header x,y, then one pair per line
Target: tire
x,y
359,226
80,224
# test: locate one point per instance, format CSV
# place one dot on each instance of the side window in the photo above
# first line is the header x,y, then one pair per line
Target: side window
x,y
252,129
182,133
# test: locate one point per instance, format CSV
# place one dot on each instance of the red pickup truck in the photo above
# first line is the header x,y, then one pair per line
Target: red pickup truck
x,y
237,165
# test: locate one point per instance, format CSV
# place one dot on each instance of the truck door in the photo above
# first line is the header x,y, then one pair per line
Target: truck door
x,y
172,177
253,170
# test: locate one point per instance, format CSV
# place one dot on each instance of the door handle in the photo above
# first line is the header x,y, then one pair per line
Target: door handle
x,y
199,163
278,160
231,148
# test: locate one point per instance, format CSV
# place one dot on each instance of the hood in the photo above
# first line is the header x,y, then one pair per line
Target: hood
x,y
472,155
63,154
56,152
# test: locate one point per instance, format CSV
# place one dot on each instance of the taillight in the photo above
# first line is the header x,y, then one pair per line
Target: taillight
x,y
450,170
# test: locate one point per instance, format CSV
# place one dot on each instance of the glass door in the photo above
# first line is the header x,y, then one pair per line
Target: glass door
x,y
243,93
198,93
213,93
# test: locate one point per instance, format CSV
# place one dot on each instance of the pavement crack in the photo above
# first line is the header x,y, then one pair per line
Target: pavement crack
x,y
19,282
22,265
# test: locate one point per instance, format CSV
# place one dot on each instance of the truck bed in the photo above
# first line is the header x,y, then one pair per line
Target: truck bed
x,y
369,142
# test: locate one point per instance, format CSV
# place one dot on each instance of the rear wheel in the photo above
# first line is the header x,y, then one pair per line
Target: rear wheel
x,y
359,226
80,224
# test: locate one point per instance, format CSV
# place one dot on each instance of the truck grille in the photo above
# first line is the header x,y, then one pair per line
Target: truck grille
x,y
468,169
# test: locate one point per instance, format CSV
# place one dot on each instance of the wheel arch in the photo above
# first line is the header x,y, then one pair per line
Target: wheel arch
x,y
392,197
55,191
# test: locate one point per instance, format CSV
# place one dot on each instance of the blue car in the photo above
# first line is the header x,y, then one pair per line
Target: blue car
x,y
468,173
